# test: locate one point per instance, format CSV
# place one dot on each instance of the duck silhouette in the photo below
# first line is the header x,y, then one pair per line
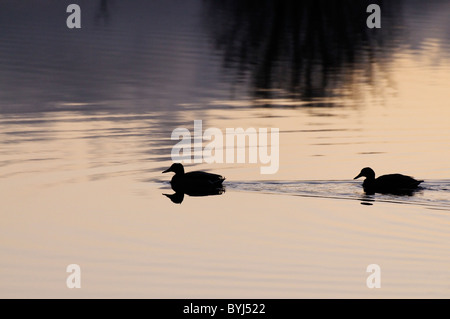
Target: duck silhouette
x,y
195,183
397,184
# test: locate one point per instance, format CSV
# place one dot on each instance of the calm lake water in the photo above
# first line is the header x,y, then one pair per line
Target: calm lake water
x,y
86,118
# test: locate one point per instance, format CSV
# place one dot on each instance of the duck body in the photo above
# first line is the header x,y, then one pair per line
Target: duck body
x,y
389,184
195,183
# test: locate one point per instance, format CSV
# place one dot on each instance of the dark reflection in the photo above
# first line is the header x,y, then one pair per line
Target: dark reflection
x,y
178,196
102,14
150,56
300,49
367,200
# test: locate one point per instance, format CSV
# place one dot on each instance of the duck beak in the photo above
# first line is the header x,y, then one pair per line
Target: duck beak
x,y
358,176
167,170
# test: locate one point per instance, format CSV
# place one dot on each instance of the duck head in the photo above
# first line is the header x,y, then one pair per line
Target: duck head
x,y
366,172
177,168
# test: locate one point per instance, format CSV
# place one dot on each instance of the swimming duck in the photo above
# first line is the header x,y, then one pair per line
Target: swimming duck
x,y
194,182
392,183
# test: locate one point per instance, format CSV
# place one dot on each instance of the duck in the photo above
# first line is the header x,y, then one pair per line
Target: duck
x,y
194,183
392,183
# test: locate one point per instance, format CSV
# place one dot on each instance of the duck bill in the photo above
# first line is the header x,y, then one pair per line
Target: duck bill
x,y
167,170
358,176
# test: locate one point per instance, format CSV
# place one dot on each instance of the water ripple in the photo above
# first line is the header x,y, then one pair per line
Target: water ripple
x,y
433,194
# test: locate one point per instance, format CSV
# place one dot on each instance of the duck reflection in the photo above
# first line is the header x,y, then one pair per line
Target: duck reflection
x,y
195,183
178,197
102,14
367,200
